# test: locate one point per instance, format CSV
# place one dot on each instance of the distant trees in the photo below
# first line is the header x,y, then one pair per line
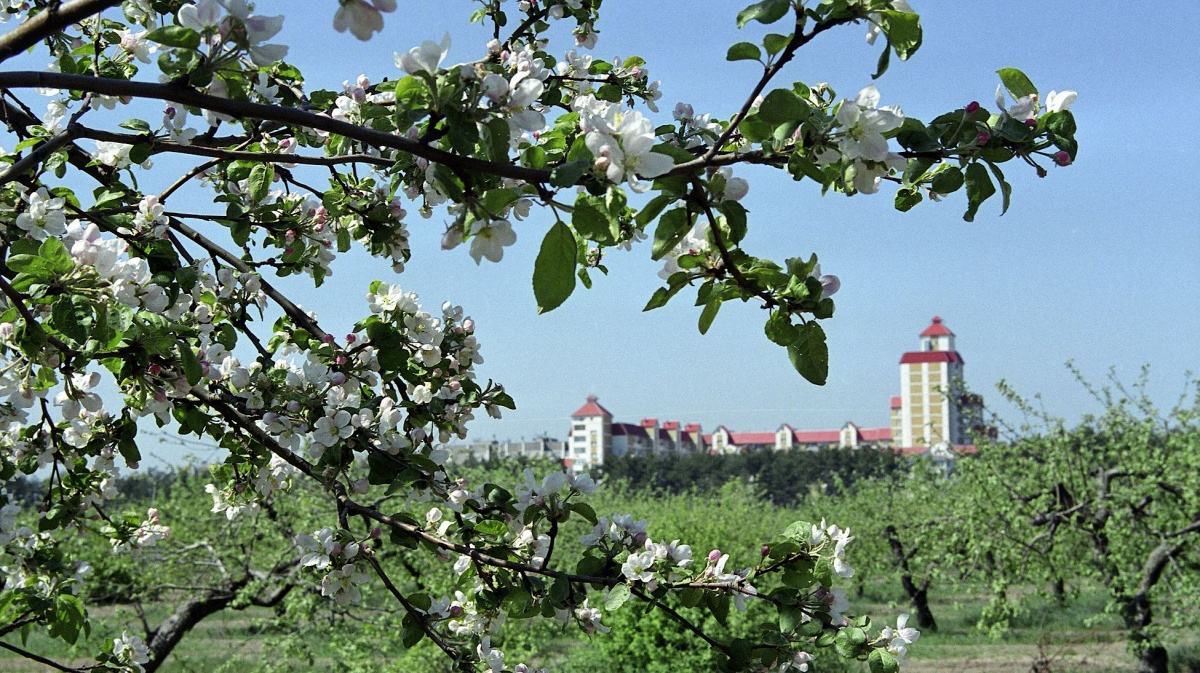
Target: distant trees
x,y
782,476
1115,499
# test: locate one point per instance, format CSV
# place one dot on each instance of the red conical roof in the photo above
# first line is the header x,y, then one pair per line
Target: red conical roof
x,y
592,408
936,329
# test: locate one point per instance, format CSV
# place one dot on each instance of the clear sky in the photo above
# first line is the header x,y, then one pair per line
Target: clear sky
x,y
1096,263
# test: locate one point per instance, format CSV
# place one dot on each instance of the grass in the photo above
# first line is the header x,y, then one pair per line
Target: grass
x,y
1073,638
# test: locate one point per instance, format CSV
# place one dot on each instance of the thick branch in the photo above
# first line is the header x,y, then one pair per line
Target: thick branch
x,y
55,18
246,110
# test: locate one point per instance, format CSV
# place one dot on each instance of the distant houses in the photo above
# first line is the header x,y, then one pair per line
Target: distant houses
x,y
931,416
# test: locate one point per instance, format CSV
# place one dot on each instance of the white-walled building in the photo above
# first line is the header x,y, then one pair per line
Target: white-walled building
x,y
930,391
929,416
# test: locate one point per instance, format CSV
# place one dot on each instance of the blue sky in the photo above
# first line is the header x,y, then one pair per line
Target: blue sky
x,y
1095,263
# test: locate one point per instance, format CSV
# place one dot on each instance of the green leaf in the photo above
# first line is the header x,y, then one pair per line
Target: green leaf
x,y
585,510
1016,82
58,260
903,30
767,11
672,227
259,182
744,51
616,597
790,617
554,269
882,661
907,198
593,221
1005,188
947,181
979,189
72,315
569,173
175,36
782,106
776,43
735,218
651,210
810,354
800,166
780,330
917,169
885,59
491,527
709,313
191,365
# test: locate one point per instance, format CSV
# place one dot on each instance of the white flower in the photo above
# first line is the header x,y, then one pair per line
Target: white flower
x,y
203,15
488,239
639,567
363,17
131,651
1024,108
489,655
626,151
875,18
44,217
864,125
425,58
1057,101
316,549
340,584
589,618
900,638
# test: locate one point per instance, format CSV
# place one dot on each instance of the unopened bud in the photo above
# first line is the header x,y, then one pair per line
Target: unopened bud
x,y
714,556
351,338
376,533
766,549
1062,158
456,611
1031,122
328,338
973,107
982,138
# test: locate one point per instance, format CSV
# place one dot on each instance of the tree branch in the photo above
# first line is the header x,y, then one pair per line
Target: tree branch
x,y
55,18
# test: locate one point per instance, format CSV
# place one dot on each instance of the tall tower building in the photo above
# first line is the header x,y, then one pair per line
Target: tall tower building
x,y
929,391
591,435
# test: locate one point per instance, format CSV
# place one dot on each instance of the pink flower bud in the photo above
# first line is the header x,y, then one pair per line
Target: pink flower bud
x,y
351,338
341,360
469,325
337,549
714,556
154,370
766,549
973,107
328,338
1031,122
982,138
640,539
456,611
1062,158
376,533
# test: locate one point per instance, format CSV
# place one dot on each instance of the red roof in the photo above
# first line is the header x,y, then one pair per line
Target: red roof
x,y
896,403
930,356
692,427
875,434
745,438
817,436
591,409
937,328
629,429
671,425
649,422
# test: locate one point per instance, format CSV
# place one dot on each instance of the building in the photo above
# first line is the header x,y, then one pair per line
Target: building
x,y
930,386
536,448
931,416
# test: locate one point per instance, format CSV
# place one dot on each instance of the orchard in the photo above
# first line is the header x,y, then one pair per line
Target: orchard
x,y
106,285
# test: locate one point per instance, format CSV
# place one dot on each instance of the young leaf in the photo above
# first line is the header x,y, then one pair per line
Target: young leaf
x,y
709,313
175,36
1016,82
617,596
767,11
979,189
810,354
744,51
782,106
903,30
554,269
